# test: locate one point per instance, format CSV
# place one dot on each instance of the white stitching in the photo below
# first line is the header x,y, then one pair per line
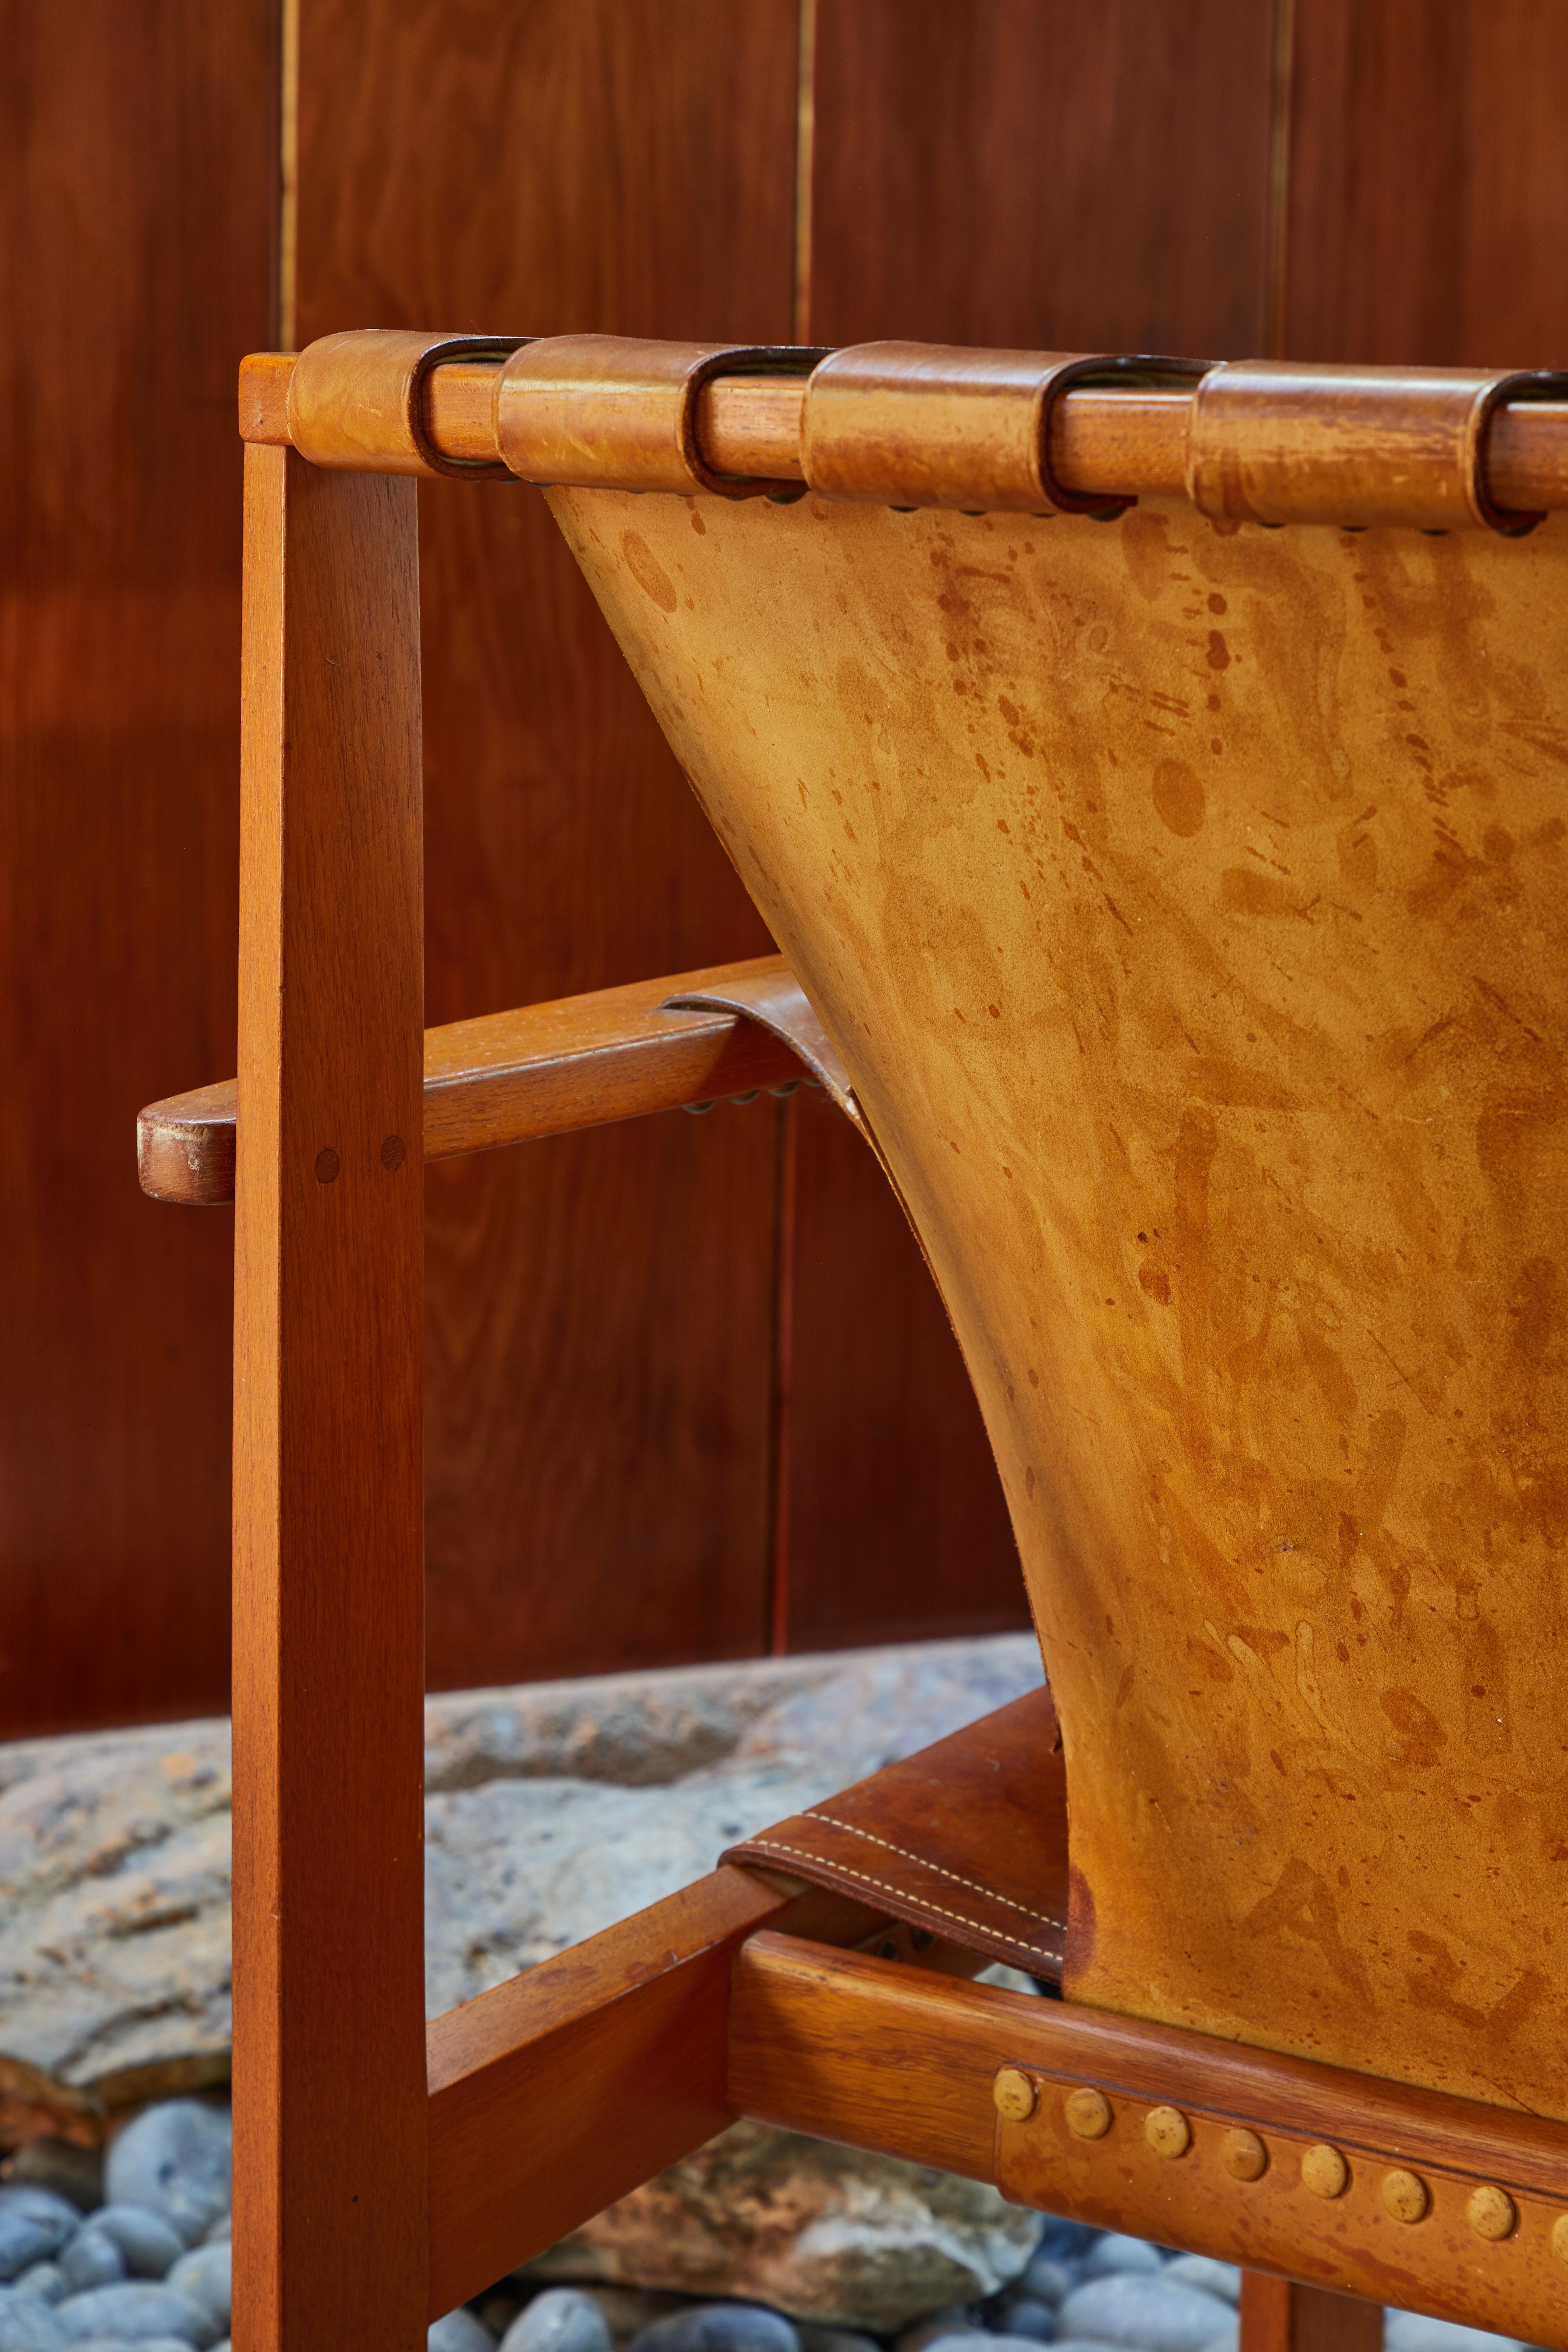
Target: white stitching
x,y
884,1887
814,1813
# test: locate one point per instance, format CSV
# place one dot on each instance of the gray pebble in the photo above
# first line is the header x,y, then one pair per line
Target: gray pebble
x,y
58,2164
1145,2314
1078,2344
42,2205
459,2331
151,2245
27,2324
1114,2253
123,2344
559,2320
718,2327
206,2275
222,2228
91,2259
629,2309
813,2338
1044,2279
1004,2343
45,2279
176,2159
1223,2279
1022,2316
937,2326
1412,2331
135,2311
25,2240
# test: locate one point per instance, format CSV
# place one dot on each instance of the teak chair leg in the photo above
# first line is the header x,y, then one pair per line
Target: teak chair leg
x,y
1277,2315
331,2218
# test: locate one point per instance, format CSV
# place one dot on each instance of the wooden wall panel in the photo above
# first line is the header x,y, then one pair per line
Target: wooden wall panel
x,y
601,1324
897,1528
1030,174
1428,178
1043,174
137,244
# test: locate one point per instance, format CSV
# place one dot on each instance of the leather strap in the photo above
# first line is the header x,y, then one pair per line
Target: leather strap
x,y
967,1840
356,400
933,424
607,412
776,1002
1273,441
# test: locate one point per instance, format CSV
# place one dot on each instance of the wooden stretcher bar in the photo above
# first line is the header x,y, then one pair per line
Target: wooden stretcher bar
x,y
623,2041
1125,443
513,1077
1343,2180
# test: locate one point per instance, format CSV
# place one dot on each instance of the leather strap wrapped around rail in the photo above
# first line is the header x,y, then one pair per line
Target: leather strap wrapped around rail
x,y
931,425
777,1003
968,1840
356,400
607,412
1272,441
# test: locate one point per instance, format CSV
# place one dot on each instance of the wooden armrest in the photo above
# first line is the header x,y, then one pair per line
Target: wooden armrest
x,y
512,1077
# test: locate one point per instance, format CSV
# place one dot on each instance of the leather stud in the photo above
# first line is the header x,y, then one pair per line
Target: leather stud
x,y
1406,2195
1168,2132
1089,2114
1324,2172
1015,2095
1491,2211
1560,2237
1244,2154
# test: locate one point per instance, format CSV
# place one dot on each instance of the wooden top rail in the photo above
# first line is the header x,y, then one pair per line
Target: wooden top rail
x,y
1124,444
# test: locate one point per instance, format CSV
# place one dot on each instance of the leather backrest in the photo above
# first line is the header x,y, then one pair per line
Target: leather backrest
x,y
1186,902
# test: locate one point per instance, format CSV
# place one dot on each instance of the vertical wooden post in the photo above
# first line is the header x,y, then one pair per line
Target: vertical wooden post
x,y
1277,2316
330,2225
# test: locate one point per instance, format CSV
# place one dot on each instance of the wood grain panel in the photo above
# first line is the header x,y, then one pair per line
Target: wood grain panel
x,y
600,1315
136,261
897,1528
1035,173
1428,173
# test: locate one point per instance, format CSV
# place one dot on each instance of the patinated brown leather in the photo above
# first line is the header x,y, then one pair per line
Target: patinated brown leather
x,y
591,409
776,1000
355,401
1273,441
1188,905
967,1840
930,425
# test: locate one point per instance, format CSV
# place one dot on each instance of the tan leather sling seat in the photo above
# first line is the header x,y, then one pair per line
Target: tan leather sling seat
x,y
1152,777
1186,903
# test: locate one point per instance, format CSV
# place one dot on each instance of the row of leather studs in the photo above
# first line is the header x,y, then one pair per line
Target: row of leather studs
x,y
1490,2211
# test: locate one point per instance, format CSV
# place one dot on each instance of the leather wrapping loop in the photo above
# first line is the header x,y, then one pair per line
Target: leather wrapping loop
x,y
607,412
933,424
356,400
1272,441
777,1001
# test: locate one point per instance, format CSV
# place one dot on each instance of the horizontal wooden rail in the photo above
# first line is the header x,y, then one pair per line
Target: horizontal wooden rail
x,y
1346,2181
1125,443
578,2080
513,1077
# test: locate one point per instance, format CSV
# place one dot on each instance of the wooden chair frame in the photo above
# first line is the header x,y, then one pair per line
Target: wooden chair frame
x,y
386,2171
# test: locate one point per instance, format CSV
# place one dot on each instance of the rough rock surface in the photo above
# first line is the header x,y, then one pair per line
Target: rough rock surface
x,y
822,2232
553,1810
